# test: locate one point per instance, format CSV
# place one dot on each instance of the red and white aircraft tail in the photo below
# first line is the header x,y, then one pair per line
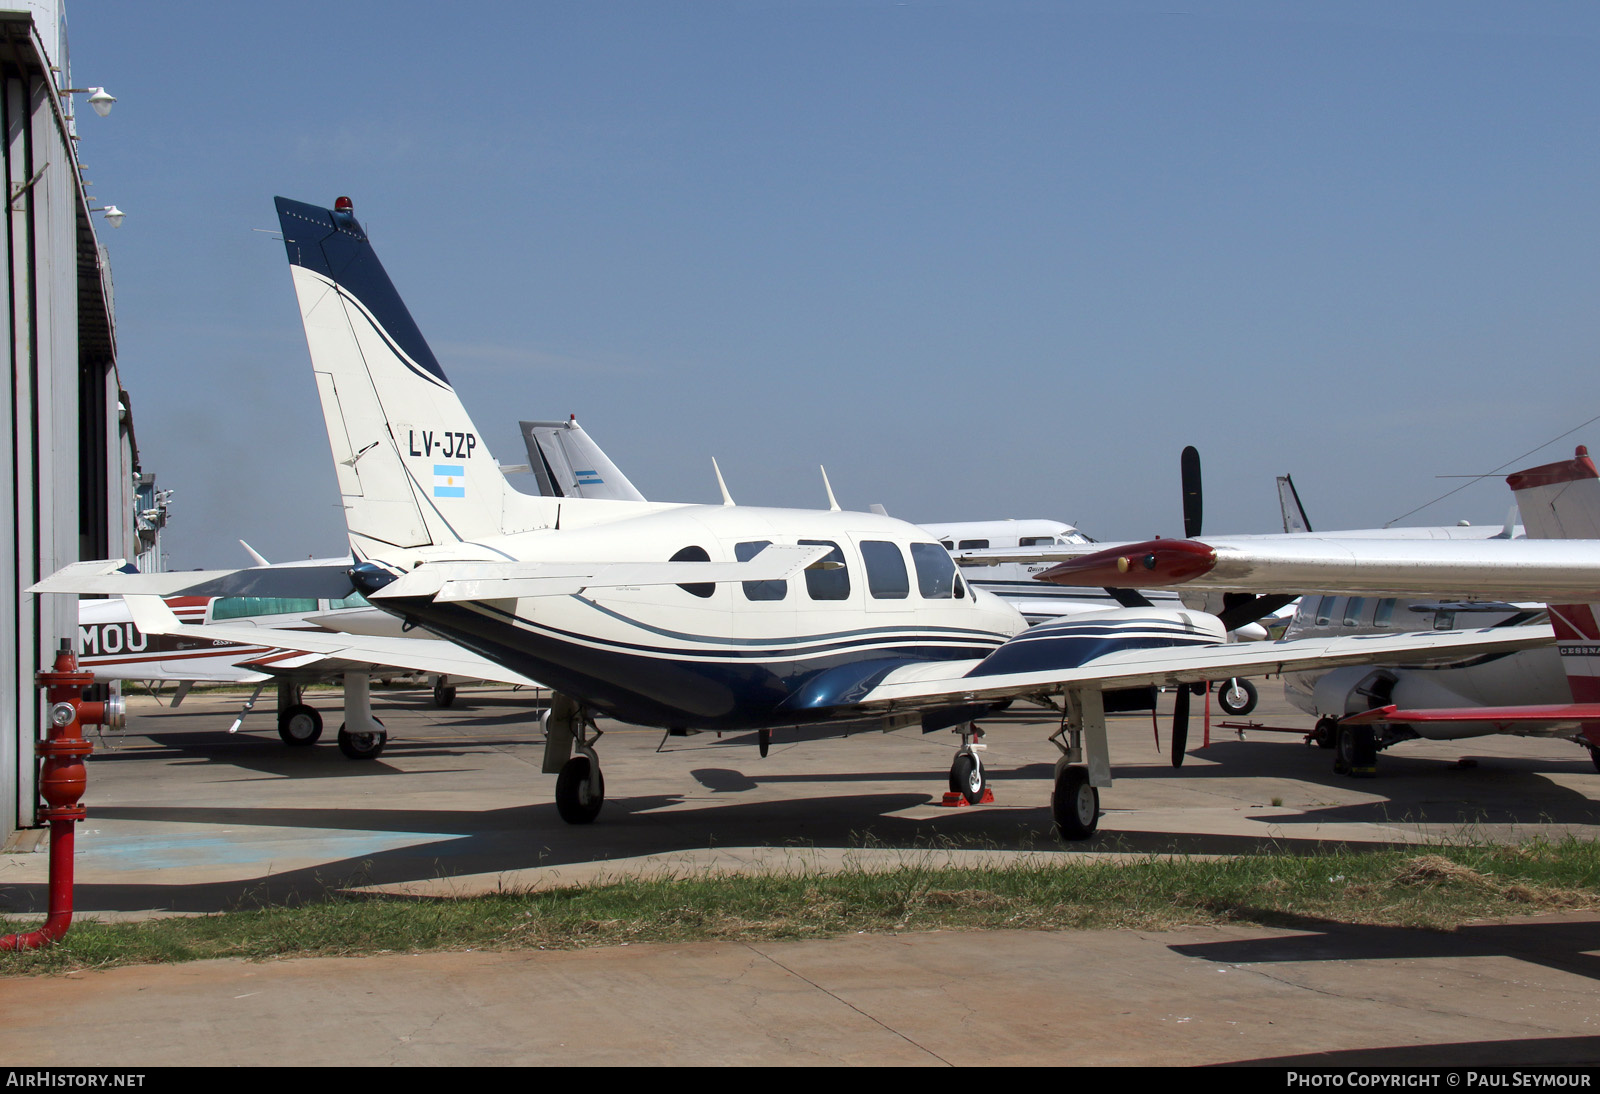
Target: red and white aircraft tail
x,y
1562,501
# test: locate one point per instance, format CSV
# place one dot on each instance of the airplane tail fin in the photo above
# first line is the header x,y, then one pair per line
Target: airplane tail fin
x,y
1562,501
412,467
568,464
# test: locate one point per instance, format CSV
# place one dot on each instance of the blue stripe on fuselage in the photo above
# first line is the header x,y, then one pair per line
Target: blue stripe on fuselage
x,y
704,688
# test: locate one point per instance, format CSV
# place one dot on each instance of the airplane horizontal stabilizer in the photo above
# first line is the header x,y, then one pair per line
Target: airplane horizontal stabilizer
x,y
152,616
328,581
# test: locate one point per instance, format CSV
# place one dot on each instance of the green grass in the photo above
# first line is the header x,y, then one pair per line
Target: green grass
x,y
1439,889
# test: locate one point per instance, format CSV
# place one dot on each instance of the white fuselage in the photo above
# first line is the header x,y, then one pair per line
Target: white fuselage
x,y
723,655
1527,677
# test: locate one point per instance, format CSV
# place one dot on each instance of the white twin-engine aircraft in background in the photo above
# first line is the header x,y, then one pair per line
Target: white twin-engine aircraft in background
x,y
695,616
1369,585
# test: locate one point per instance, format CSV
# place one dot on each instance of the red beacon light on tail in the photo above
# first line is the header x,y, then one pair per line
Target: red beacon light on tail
x,y
343,205
1145,565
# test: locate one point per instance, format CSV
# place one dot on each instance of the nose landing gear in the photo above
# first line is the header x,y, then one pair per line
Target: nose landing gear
x,y
968,782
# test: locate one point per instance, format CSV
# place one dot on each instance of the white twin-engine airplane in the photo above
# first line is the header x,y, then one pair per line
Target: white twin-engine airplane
x,y
697,616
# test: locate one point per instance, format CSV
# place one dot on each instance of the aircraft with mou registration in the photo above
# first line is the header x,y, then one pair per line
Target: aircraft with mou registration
x,y
112,646
722,617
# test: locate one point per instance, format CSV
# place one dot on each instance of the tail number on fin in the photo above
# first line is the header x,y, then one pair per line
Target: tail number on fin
x,y
443,443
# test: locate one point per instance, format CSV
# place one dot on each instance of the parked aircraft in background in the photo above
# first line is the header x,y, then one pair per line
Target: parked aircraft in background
x,y
1370,585
114,647
694,616
1014,582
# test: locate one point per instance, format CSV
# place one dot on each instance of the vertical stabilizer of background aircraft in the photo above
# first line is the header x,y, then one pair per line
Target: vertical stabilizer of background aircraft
x,y
568,464
1562,501
1294,514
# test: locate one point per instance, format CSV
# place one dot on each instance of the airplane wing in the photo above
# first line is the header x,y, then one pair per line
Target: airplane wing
x,y
440,580
457,581
152,616
324,580
937,683
1544,570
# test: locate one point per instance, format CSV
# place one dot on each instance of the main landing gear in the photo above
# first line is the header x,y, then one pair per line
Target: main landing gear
x,y
1083,767
580,784
967,777
362,736
1355,748
444,692
298,725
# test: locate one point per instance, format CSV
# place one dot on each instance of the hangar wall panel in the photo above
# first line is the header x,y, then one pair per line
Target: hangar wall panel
x,y
68,461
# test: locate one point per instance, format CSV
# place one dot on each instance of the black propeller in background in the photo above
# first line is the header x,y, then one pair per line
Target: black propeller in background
x,y
1193,512
1193,507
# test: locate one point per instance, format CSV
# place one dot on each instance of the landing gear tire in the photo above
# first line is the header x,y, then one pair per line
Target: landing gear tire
x,y
1326,732
764,741
574,800
1594,756
443,695
967,778
363,746
1237,696
1357,752
1075,804
299,726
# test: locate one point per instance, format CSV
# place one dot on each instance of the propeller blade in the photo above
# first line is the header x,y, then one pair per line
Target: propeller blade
x,y
1189,466
1180,725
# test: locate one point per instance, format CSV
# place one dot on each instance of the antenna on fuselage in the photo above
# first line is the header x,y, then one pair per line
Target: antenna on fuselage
x,y
833,502
727,498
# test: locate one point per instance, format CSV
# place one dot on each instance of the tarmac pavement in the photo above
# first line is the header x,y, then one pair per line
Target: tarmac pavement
x,y
186,819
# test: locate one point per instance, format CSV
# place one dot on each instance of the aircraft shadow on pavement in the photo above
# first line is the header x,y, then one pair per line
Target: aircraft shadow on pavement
x,y
1563,945
268,756
1522,1053
1414,790
457,843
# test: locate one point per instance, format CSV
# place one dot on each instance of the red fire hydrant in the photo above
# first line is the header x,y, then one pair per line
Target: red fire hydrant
x,y
61,784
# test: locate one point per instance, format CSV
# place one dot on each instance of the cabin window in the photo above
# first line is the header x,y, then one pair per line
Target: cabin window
x,y
701,589
1383,614
1444,621
354,600
242,607
948,544
974,544
1325,610
1037,541
886,570
1353,611
759,590
936,573
828,579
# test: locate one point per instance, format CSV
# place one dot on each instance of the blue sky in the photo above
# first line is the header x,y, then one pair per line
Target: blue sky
x,y
980,259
